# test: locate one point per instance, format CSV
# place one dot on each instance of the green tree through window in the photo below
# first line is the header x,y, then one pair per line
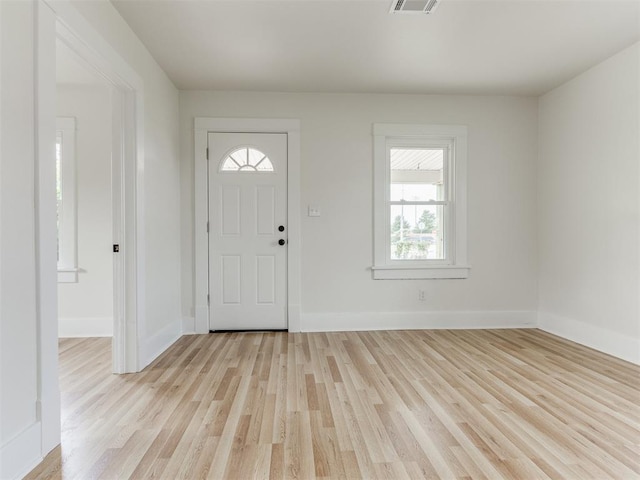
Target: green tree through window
x,y
426,223
399,236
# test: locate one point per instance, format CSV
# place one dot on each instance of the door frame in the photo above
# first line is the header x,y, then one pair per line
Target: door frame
x,y
202,127
60,20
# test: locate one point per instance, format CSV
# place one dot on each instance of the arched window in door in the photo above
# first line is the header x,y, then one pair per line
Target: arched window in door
x,y
246,159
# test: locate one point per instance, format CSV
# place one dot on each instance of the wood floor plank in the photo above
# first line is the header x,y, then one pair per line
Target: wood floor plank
x,y
480,404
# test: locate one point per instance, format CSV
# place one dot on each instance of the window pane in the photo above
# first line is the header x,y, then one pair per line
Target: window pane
x,y
230,166
265,165
417,232
255,156
240,157
417,174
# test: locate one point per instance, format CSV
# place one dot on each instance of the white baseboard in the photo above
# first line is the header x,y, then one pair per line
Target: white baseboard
x,y
188,325
353,321
85,327
22,453
49,408
201,319
294,318
621,346
153,346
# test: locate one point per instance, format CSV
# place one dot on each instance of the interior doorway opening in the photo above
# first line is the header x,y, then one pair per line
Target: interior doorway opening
x,y
118,90
84,199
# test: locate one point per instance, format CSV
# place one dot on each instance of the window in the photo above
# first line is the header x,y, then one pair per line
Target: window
x,y
66,199
420,201
246,159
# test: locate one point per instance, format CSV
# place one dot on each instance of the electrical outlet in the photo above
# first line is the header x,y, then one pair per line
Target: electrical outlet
x,y
422,295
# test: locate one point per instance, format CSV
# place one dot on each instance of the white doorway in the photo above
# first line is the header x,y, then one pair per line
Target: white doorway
x,y
66,26
117,242
84,191
290,130
247,231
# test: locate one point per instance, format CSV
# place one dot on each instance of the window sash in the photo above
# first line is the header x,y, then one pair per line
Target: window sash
x,y
446,232
421,144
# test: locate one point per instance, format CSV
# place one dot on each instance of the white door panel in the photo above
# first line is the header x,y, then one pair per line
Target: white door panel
x,y
247,205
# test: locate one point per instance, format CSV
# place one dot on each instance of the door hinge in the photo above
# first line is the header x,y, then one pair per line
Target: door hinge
x,y
208,299
207,153
207,227
116,248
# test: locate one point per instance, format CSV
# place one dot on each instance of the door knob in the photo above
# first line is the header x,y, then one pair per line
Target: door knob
x,y
281,228
281,242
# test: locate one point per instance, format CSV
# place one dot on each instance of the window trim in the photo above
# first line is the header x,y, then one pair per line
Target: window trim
x,y
68,232
455,265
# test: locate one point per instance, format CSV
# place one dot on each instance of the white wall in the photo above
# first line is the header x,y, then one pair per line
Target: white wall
x,y
29,401
336,153
161,178
588,213
85,308
18,335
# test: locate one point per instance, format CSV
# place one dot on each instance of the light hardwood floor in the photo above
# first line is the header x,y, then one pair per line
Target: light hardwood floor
x,y
403,404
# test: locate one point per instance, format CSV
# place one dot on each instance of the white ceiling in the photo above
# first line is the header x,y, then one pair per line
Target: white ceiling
x,y
509,47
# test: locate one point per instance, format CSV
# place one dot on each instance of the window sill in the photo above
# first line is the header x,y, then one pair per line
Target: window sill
x,y
418,273
67,275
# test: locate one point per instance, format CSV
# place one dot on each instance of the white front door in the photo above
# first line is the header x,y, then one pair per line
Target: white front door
x,y
247,231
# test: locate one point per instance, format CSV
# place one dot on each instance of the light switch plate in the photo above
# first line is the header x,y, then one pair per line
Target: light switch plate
x,y
313,211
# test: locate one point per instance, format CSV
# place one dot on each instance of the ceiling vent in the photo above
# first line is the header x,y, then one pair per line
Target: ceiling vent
x,y
414,6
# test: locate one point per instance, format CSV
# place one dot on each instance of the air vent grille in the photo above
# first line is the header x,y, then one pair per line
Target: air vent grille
x,y
414,6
